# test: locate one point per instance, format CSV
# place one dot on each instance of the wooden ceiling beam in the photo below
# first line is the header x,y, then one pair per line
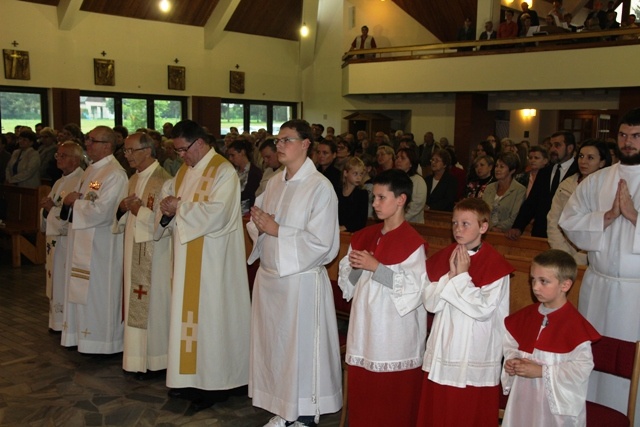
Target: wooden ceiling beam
x,y
67,13
214,28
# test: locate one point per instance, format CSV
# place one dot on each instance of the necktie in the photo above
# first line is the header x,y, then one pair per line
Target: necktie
x,y
555,181
15,165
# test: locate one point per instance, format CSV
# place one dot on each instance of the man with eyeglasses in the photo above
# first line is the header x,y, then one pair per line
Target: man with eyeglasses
x,y
68,158
147,272
295,354
601,217
210,307
93,313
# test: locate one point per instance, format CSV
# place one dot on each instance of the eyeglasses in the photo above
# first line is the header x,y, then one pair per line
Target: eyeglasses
x,y
129,151
184,149
287,140
94,141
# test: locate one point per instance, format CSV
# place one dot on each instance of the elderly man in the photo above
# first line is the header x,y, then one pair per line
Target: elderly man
x,y
68,159
93,304
210,308
147,270
601,217
23,168
295,355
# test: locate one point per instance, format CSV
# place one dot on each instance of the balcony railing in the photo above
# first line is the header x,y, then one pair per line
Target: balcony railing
x,y
582,40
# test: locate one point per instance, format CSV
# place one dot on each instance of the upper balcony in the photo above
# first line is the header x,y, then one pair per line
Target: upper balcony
x,y
586,60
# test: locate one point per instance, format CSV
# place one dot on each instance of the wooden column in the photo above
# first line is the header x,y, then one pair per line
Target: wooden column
x,y
472,124
206,111
66,107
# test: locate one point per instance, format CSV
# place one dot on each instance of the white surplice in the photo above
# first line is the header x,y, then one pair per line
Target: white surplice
x,y
295,354
146,349
610,289
380,339
558,398
56,232
224,304
93,309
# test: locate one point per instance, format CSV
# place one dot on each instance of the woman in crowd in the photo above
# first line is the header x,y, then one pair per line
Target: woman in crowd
x,y
538,159
386,157
505,195
483,167
353,200
343,154
407,161
239,152
592,156
441,185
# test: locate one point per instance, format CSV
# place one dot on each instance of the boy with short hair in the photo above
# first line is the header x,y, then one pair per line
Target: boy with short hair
x,y
547,350
384,347
467,287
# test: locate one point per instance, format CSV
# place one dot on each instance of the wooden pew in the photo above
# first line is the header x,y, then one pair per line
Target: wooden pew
x,y
23,221
519,253
520,294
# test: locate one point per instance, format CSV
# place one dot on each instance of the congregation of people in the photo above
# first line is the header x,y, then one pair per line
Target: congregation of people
x,y
146,257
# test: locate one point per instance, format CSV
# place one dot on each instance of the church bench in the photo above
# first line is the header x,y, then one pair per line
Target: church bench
x,y
22,222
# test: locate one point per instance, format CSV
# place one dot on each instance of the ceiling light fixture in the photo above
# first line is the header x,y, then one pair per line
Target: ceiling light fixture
x,y
165,6
304,30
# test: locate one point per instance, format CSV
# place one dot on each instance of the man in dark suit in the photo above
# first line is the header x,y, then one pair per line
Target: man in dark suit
x,y
537,205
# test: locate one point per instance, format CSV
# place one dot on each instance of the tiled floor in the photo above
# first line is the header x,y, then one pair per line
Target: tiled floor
x,y
43,384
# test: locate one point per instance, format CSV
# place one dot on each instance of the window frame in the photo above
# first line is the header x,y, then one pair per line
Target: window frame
x,y
246,104
150,99
44,101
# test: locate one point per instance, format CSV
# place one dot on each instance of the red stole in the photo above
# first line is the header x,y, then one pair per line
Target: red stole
x,y
487,265
565,330
390,248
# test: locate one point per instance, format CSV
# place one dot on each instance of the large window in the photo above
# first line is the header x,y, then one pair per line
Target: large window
x,y
250,116
20,106
130,111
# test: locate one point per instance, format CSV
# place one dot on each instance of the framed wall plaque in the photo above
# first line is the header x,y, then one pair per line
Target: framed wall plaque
x,y
104,72
16,64
176,77
236,81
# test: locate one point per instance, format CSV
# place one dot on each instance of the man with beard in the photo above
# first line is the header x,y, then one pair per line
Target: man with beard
x,y
601,217
536,206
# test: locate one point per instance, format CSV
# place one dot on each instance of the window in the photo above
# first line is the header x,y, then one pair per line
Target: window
x,y
96,111
250,116
20,106
129,110
231,115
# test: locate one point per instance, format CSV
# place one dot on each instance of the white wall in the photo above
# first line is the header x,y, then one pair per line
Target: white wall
x,y
142,50
322,81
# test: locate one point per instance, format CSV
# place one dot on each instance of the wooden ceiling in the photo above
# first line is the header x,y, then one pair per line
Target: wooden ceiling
x,y
270,18
277,18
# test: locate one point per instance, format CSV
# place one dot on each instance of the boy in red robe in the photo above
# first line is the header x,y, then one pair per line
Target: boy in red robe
x,y
467,287
384,348
547,350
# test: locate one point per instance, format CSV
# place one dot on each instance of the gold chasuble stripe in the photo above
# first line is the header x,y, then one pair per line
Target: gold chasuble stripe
x,y
193,272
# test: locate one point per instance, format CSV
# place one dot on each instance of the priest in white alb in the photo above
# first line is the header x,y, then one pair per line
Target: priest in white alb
x,y
601,218
68,159
93,318
210,307
147,263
